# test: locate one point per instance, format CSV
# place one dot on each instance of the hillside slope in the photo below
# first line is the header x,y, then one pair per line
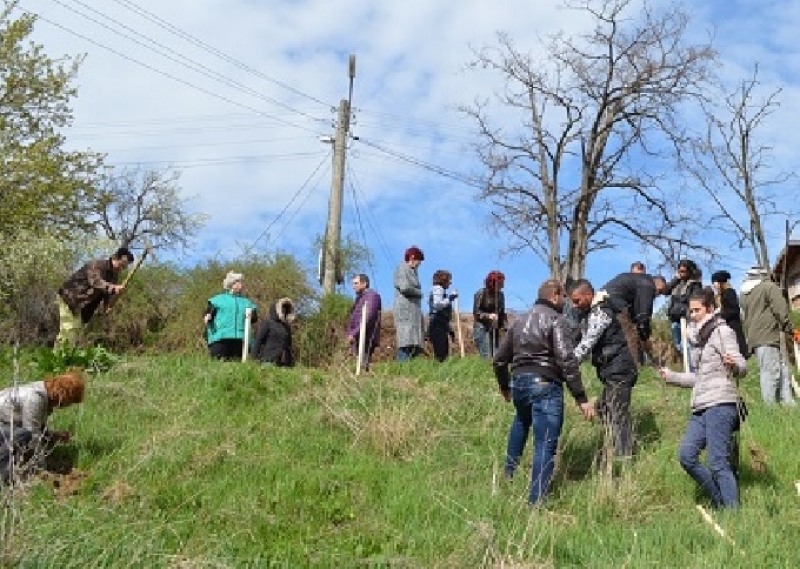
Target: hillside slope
x,y
184,462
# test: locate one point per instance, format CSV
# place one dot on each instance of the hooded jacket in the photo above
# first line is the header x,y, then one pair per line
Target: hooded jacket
x,y
273,343
765,310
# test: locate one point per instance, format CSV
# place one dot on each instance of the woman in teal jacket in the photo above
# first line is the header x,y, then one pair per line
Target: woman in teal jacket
x,y
225,319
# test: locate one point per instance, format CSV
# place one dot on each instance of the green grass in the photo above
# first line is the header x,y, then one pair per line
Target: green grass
x,y
188,463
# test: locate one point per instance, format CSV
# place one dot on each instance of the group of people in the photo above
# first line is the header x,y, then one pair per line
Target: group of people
x,y
488,310
541,352
533,357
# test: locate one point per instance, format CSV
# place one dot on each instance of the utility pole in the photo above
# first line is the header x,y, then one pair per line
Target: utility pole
x,y
331,248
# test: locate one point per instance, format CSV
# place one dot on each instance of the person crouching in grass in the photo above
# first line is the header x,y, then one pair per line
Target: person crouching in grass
x,y
24,411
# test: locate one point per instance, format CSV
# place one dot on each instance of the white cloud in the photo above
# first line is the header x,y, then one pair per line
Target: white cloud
x,y
409,79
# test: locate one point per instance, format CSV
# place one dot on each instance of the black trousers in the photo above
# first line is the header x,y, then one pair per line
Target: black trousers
x,y
439,335
614,405
227,349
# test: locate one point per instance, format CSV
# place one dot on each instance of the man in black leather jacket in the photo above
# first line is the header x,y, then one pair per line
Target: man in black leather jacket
x,y
535,359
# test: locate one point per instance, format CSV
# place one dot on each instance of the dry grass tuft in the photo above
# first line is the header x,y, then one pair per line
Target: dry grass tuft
x,y
118,492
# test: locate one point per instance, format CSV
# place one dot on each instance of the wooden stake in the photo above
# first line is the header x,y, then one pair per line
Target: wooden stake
x,y
458,327
707,517
248,314
685,345
362,337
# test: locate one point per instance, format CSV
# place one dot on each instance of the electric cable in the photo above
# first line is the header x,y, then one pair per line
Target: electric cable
x,y
168,75
325,158
212,50
176,57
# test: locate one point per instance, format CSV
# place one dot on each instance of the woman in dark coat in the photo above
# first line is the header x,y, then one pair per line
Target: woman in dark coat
x,y
489,313
728,307
273,343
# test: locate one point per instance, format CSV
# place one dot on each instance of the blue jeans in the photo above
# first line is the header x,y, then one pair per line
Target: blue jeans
x,y
774,376
483,340
712,429
407,353
676,336
541,406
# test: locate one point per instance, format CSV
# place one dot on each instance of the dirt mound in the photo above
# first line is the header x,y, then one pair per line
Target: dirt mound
x,y
387,351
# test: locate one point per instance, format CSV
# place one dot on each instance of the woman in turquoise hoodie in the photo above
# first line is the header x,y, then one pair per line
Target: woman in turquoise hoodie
x,y
225,319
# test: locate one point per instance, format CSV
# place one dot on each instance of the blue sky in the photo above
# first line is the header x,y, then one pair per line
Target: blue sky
x,y
237,94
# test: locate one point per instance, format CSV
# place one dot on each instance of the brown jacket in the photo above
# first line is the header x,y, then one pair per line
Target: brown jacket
x,y
87,287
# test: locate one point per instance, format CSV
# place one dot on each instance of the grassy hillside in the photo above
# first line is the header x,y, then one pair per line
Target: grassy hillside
x,y
186,463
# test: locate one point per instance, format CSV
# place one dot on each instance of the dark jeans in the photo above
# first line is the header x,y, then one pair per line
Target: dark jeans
x,y
712,429
439,335
228,349
541,406
614,409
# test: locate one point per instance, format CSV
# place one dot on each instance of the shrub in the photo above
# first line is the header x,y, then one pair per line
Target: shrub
x,y
319,336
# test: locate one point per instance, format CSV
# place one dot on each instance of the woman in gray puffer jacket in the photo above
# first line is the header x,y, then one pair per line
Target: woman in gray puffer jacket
x,y
714,401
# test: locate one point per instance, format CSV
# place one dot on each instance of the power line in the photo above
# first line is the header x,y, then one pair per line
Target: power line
x,y
168,75
294,197
204,144
171,119
196,162
212,50
420,163
179,58
359,223
356,185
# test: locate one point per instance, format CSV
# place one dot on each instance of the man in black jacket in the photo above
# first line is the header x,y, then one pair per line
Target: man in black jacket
x,y
605,340
637,292
534,360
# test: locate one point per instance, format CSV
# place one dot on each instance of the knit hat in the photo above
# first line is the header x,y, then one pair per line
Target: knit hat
x,y
720,277
230,279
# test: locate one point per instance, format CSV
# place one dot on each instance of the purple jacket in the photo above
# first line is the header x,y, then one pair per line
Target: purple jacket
x,y
373,301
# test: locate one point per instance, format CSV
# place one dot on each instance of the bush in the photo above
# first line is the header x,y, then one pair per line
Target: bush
x,y
319,336
32,267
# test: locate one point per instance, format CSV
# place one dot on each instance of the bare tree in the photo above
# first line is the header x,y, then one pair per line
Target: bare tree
x,y
596,111
137,205
732,166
